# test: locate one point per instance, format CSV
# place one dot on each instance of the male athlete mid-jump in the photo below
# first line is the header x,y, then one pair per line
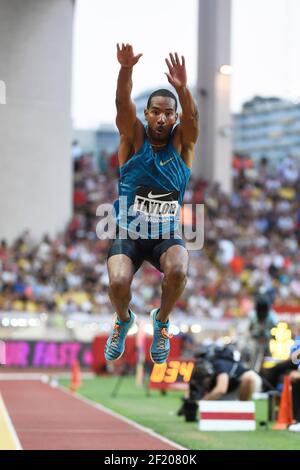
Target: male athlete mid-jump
x,y
155,165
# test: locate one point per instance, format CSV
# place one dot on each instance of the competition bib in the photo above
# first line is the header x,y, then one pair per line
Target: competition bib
x,y
155,204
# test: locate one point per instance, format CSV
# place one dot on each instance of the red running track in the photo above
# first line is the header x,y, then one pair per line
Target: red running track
x,y
47,418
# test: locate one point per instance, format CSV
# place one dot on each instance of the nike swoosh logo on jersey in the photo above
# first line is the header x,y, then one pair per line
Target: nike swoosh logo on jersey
x,y
156,196
167,161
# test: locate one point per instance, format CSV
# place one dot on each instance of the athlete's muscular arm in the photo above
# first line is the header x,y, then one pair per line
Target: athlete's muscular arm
x,y
126,119
188,130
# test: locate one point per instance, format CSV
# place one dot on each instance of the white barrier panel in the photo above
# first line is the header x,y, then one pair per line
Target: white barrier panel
x,y
226,415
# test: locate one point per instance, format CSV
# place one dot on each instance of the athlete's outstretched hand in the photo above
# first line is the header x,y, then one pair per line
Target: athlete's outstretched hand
x,y
126,56
177,72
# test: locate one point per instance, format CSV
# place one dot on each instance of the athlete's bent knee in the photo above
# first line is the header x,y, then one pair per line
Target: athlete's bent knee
x,y
120,284
176,274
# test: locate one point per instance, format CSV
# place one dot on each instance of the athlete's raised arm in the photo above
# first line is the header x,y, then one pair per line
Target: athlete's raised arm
x,y
126,111
189,125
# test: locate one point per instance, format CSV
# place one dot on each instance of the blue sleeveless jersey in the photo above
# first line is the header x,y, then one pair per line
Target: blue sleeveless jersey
x,y
151,190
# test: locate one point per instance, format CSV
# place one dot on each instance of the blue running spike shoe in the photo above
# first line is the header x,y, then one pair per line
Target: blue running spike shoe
x,y
115,345
160,346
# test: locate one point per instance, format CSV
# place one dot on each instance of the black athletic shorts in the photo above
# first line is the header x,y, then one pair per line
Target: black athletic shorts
x,y
142,249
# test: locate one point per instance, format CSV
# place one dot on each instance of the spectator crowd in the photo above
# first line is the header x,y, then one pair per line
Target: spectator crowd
x,y
251,240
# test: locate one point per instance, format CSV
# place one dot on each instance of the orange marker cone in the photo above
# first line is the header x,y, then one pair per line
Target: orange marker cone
x,y
285,414
75,377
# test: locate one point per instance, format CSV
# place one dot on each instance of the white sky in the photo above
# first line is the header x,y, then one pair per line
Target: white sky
x,y
265,56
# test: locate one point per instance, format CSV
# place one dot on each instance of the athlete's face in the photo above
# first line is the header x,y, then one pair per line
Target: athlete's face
x,y
161,117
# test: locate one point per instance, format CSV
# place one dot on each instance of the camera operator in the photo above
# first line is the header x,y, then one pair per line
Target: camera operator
x,y
262,320
227,375
218,374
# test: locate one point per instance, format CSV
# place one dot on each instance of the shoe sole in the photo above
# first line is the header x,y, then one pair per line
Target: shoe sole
x,y
154,362
117,358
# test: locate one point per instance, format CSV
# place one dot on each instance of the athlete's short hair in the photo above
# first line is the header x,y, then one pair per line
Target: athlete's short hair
x,y
162,92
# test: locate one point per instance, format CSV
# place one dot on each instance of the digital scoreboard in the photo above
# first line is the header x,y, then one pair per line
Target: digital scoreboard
x,y
173,375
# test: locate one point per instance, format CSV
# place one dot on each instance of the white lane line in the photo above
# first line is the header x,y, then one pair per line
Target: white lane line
x,y
8,436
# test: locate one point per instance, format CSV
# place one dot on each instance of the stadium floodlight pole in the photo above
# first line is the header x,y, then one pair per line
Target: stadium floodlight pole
x,y
214,147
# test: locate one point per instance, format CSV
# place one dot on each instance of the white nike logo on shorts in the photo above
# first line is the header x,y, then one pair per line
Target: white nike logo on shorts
x,y
156,196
